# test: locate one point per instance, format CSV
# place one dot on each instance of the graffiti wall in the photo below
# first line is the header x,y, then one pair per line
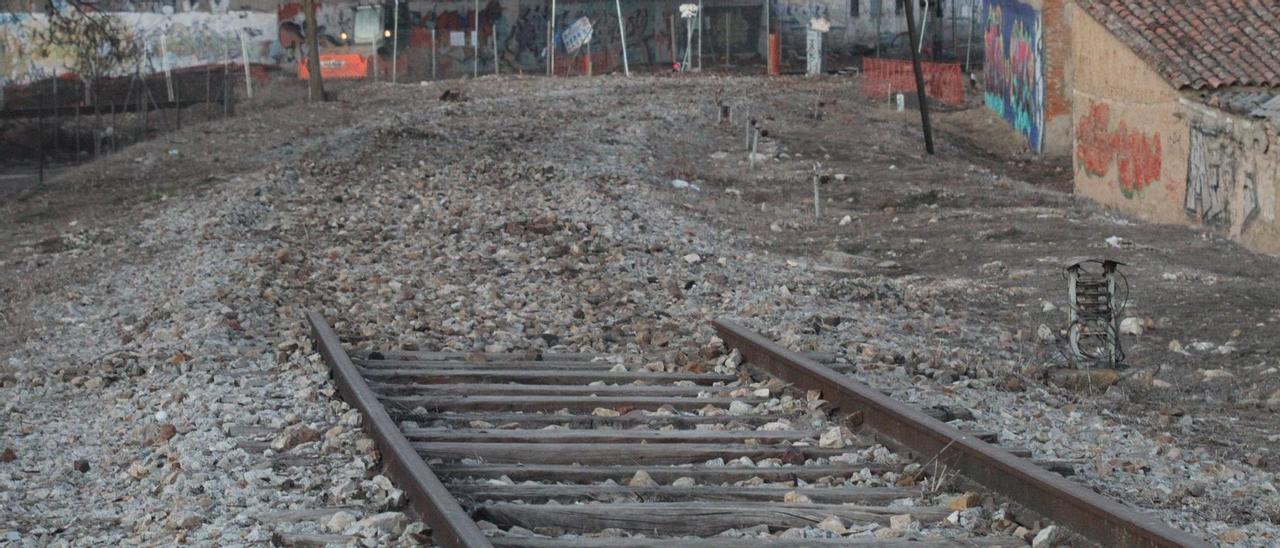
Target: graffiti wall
x,y
1014,67
1130,141
1102,145
512,33
1232,175
172,39
1144,148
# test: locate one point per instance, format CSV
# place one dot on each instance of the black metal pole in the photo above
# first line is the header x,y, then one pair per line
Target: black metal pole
x,y
915,64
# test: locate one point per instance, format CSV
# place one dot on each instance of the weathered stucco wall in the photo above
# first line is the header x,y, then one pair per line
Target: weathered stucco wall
x,y
1233,171
1130,148
1142,147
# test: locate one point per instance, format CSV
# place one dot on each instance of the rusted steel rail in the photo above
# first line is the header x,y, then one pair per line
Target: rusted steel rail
x,y
1087,514
450,524
569,450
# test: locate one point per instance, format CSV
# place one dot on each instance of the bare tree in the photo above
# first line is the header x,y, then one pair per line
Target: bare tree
x,y
94,44
91,44
316,90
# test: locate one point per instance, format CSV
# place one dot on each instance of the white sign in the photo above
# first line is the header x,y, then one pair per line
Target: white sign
x,y
577,34
688,10
820,24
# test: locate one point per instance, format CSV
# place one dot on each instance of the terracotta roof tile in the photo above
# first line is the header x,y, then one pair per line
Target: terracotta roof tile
x,y
1199,44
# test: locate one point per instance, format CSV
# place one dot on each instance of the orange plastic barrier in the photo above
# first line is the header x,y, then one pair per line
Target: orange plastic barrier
x,y
942,81
338,66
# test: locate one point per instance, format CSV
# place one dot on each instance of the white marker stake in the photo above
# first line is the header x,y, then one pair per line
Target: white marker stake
x,y
817,200
244,52
495,51
622,32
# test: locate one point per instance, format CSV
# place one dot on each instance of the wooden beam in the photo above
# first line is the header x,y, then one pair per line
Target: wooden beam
x,y
488,389
419,355
536,376
506,541
610,453
692,518
458,356
310,540
538,494
661,474
506,364
545,419
604,436
555,403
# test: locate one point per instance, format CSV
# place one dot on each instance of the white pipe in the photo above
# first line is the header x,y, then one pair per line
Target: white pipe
x,y
433,53
924,24
622,32
244,52
164,62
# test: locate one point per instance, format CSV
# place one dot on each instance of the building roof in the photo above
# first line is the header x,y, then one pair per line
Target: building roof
x,y
1199,44
1255,103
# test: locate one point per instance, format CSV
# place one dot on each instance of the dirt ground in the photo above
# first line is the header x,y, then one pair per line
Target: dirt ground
x,y
988,216
979,233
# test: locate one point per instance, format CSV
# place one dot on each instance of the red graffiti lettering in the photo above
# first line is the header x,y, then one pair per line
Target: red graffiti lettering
x,y
1137,156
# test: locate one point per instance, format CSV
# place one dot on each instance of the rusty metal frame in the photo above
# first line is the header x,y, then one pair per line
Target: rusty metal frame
x,y
428,497
1087,514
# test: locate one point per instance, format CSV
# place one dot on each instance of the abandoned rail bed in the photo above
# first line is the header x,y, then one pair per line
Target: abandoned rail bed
x,y
574,450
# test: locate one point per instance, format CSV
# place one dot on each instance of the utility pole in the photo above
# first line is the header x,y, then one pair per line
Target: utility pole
x,y
915,65
316,89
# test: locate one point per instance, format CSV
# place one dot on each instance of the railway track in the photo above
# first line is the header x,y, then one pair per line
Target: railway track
x,y
570,450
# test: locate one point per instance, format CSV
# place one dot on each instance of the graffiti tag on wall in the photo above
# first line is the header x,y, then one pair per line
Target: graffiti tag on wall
x,y
1015,67
1213,167
1137,156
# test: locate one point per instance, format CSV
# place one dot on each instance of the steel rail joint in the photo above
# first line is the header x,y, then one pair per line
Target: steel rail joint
x,y
1087,514
430,500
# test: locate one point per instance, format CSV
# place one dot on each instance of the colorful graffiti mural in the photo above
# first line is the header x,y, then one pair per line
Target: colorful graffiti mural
x,y
520,29
1015,67
189,39
205,31
1137,156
